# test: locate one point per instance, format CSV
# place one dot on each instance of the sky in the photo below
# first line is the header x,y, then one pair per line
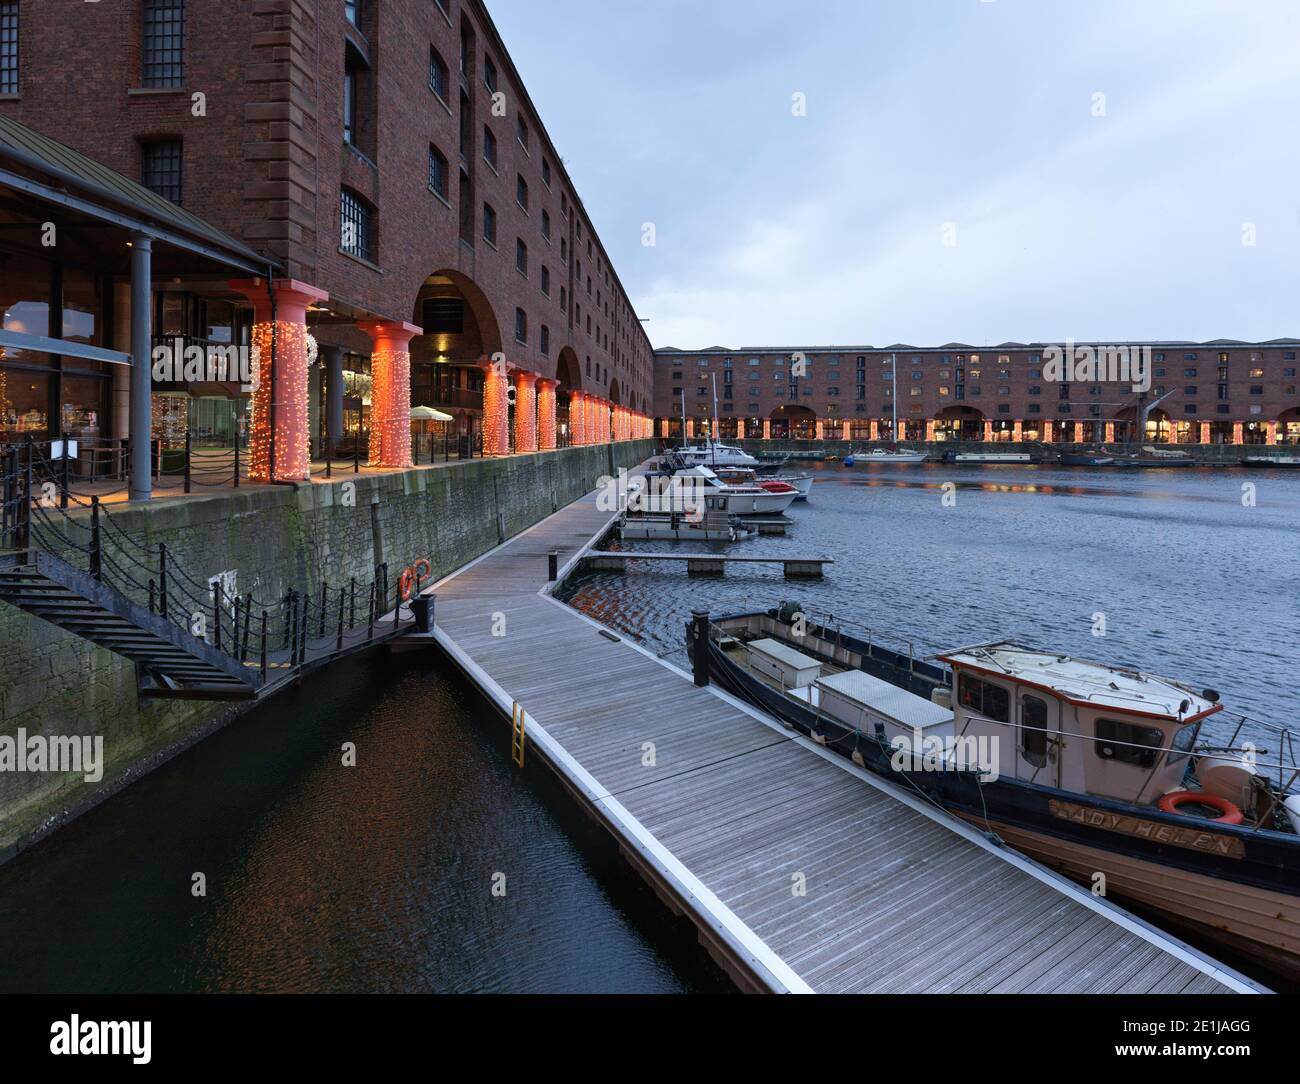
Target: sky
x,y
973,171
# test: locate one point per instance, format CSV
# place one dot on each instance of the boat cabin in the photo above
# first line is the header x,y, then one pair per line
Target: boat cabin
x,y
1080,726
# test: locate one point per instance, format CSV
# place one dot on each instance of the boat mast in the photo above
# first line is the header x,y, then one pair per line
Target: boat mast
x,y
683,419
714,442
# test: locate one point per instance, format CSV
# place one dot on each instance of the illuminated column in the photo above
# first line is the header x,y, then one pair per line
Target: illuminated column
x,y
496,409
525,411
663,428
821,430
577,415
1047,432
1205,432
844,430
1018,431
690,428
929,429
1271,429
546,414
767,428
390,391
988,430
1238,435
875,429
280,401
1110,432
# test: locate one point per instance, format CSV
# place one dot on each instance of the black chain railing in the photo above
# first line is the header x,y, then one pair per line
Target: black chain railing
x,y
264,636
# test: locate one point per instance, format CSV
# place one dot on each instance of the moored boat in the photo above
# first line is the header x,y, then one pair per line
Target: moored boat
x,y
886,457
1086,459
1091,768
685,490
802,483
1286,462
990,457
715,454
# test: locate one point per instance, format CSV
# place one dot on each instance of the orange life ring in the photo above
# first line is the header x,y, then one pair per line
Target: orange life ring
x,y
1228,813
423,563
407,584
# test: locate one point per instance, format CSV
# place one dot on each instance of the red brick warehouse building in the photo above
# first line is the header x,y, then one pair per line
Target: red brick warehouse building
x,y
1221,392
387,159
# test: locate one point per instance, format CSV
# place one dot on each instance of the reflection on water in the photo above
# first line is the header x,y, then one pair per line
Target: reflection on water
x,y
1194,584
326,878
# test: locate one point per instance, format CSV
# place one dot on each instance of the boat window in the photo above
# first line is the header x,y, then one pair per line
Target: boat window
x,y
1183,742
984,698
1033,736
1128,744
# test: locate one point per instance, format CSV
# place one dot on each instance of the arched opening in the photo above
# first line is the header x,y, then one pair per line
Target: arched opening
x,y
959,423
460,336
793,423
569,373
1288,426
613,392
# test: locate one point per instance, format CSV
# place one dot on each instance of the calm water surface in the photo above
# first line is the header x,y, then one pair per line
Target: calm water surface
x,y
1193,584
324,878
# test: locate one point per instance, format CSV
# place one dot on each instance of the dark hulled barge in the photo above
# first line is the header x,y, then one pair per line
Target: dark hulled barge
x,y
1089,768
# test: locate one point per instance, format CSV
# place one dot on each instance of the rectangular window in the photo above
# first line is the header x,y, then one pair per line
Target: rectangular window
x,y
546,173
546,280
490,74
489,224
163,44
521,132
521,326
1128,744
438,172
984,698
352,10
521,192
161,168
521,257
489,148
9,47
357,222
546,225
545,339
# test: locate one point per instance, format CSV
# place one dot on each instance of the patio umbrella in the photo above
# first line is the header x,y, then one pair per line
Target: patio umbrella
x,y
428,414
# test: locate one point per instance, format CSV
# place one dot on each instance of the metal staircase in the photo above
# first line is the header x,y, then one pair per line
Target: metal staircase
x,y
188,639
172,662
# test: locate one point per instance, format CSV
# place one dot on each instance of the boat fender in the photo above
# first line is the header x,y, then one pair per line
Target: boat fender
x,y
1292,807
1228,813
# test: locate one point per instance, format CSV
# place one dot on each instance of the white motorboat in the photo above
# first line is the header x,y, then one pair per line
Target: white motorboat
x,y
715,454
884,457
690,489
748,477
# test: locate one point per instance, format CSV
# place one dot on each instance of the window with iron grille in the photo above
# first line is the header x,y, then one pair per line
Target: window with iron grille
x,y
357,233
438,171
9,47
439,77
160,168
163,44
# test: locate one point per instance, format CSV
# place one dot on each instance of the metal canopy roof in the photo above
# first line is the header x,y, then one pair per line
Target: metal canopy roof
x,y
62,169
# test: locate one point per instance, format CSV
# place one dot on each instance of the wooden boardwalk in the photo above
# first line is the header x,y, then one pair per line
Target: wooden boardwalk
x,y
732,811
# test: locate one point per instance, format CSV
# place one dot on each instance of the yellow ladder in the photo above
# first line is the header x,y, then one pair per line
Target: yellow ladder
x,y
517,735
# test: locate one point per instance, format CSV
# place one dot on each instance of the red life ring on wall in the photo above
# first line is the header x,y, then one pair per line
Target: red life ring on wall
x,y
407,584
423,563
1228,813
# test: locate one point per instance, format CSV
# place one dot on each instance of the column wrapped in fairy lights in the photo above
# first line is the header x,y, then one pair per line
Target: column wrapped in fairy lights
x,y
496,409
577,434
590,420
1205,432
767,429
546,414
1047,432
390,392
280,382
525,411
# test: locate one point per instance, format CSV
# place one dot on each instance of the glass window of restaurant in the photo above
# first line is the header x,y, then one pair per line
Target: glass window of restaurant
x,y
45,394
214,412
